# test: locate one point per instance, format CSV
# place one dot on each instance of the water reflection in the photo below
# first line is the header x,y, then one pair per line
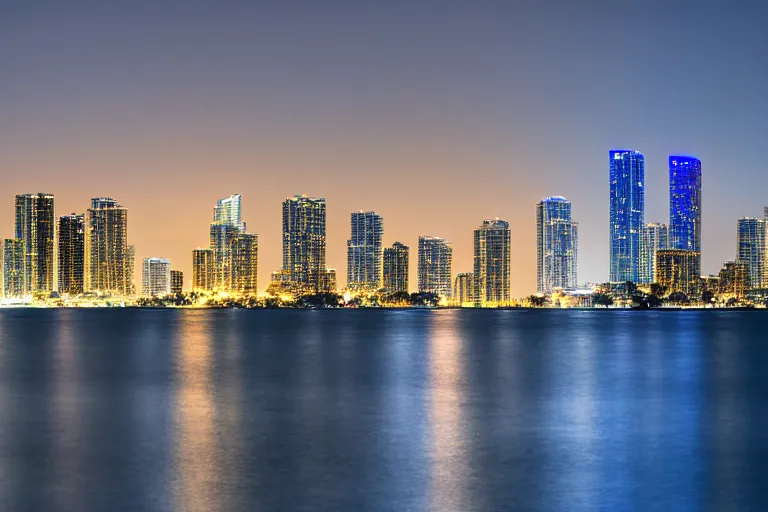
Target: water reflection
x,y
196,460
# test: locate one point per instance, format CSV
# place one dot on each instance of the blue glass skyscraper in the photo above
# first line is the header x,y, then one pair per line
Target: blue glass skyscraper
x,y
557,244
627,210
685,203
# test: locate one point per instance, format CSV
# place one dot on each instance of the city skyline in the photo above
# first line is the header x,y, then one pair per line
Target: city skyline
x,y
201,107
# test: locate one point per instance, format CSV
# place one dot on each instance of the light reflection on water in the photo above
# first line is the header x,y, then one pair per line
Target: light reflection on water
x,y
382,410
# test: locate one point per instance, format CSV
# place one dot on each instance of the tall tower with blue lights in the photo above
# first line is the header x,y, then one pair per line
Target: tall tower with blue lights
x,y
685,203
627,213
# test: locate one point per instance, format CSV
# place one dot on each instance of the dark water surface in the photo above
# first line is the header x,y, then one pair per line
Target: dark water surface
x,y
383,410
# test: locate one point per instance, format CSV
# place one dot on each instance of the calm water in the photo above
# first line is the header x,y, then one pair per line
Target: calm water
x,y
383,410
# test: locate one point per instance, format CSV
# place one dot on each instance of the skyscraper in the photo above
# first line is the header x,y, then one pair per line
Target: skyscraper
x,y
434,266
71,254
130,272
13,267
228,211
685,203
751,250
304,269
156,277
221,238
491,275
202,269
108,262
364,265
396,268
464,289
655,238
678,270
177,281
245,256
557,241
35,226
627,214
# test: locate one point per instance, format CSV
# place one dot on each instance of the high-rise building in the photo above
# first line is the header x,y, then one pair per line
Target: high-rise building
x,y
108,262
35,226
655,238
13,267
396,268
304,269
228,211
685,203
364,265
244,266
156,277
464,289
221,238
751,250
177,281
71,254
434,266
131,270
734,278
627,214
678,270
557,241
491,275
202,269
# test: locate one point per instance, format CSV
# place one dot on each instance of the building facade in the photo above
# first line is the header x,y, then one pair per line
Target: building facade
x,y
364,256
228,211
71,261
627,214
685,203
396,268
491,264
734,279
751,250
156,277
655,238
177,281
557,242
13,268
108,262
304,239
678,271
35,224
244,266
434,266
464,289
202,270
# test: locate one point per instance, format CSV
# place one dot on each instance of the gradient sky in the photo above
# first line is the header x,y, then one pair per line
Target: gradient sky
x,y
435,114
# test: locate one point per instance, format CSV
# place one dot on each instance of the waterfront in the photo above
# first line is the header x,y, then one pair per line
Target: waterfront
x,y
141,409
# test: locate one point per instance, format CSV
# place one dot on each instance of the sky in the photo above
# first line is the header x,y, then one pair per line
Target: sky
x,y
435,114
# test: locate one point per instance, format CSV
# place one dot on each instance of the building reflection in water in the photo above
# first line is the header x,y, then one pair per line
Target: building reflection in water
x,y
450,467
196,457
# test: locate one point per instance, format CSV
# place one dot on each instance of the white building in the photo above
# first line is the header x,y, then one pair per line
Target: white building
x,y
156,277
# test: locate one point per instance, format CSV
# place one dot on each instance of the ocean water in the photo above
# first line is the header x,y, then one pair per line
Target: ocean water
x,y
409,410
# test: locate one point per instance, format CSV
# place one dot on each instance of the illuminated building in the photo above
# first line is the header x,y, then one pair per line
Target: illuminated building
x,y
464,289
156,277
734,278
491,275
655,238
35,226
678,270
557,241
751,250
685,203
627,214
244,265
304,269
131,268
396,268
228,211
202,269
434,266
364,263
71,262
221,238
108,262
177,282
13,267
